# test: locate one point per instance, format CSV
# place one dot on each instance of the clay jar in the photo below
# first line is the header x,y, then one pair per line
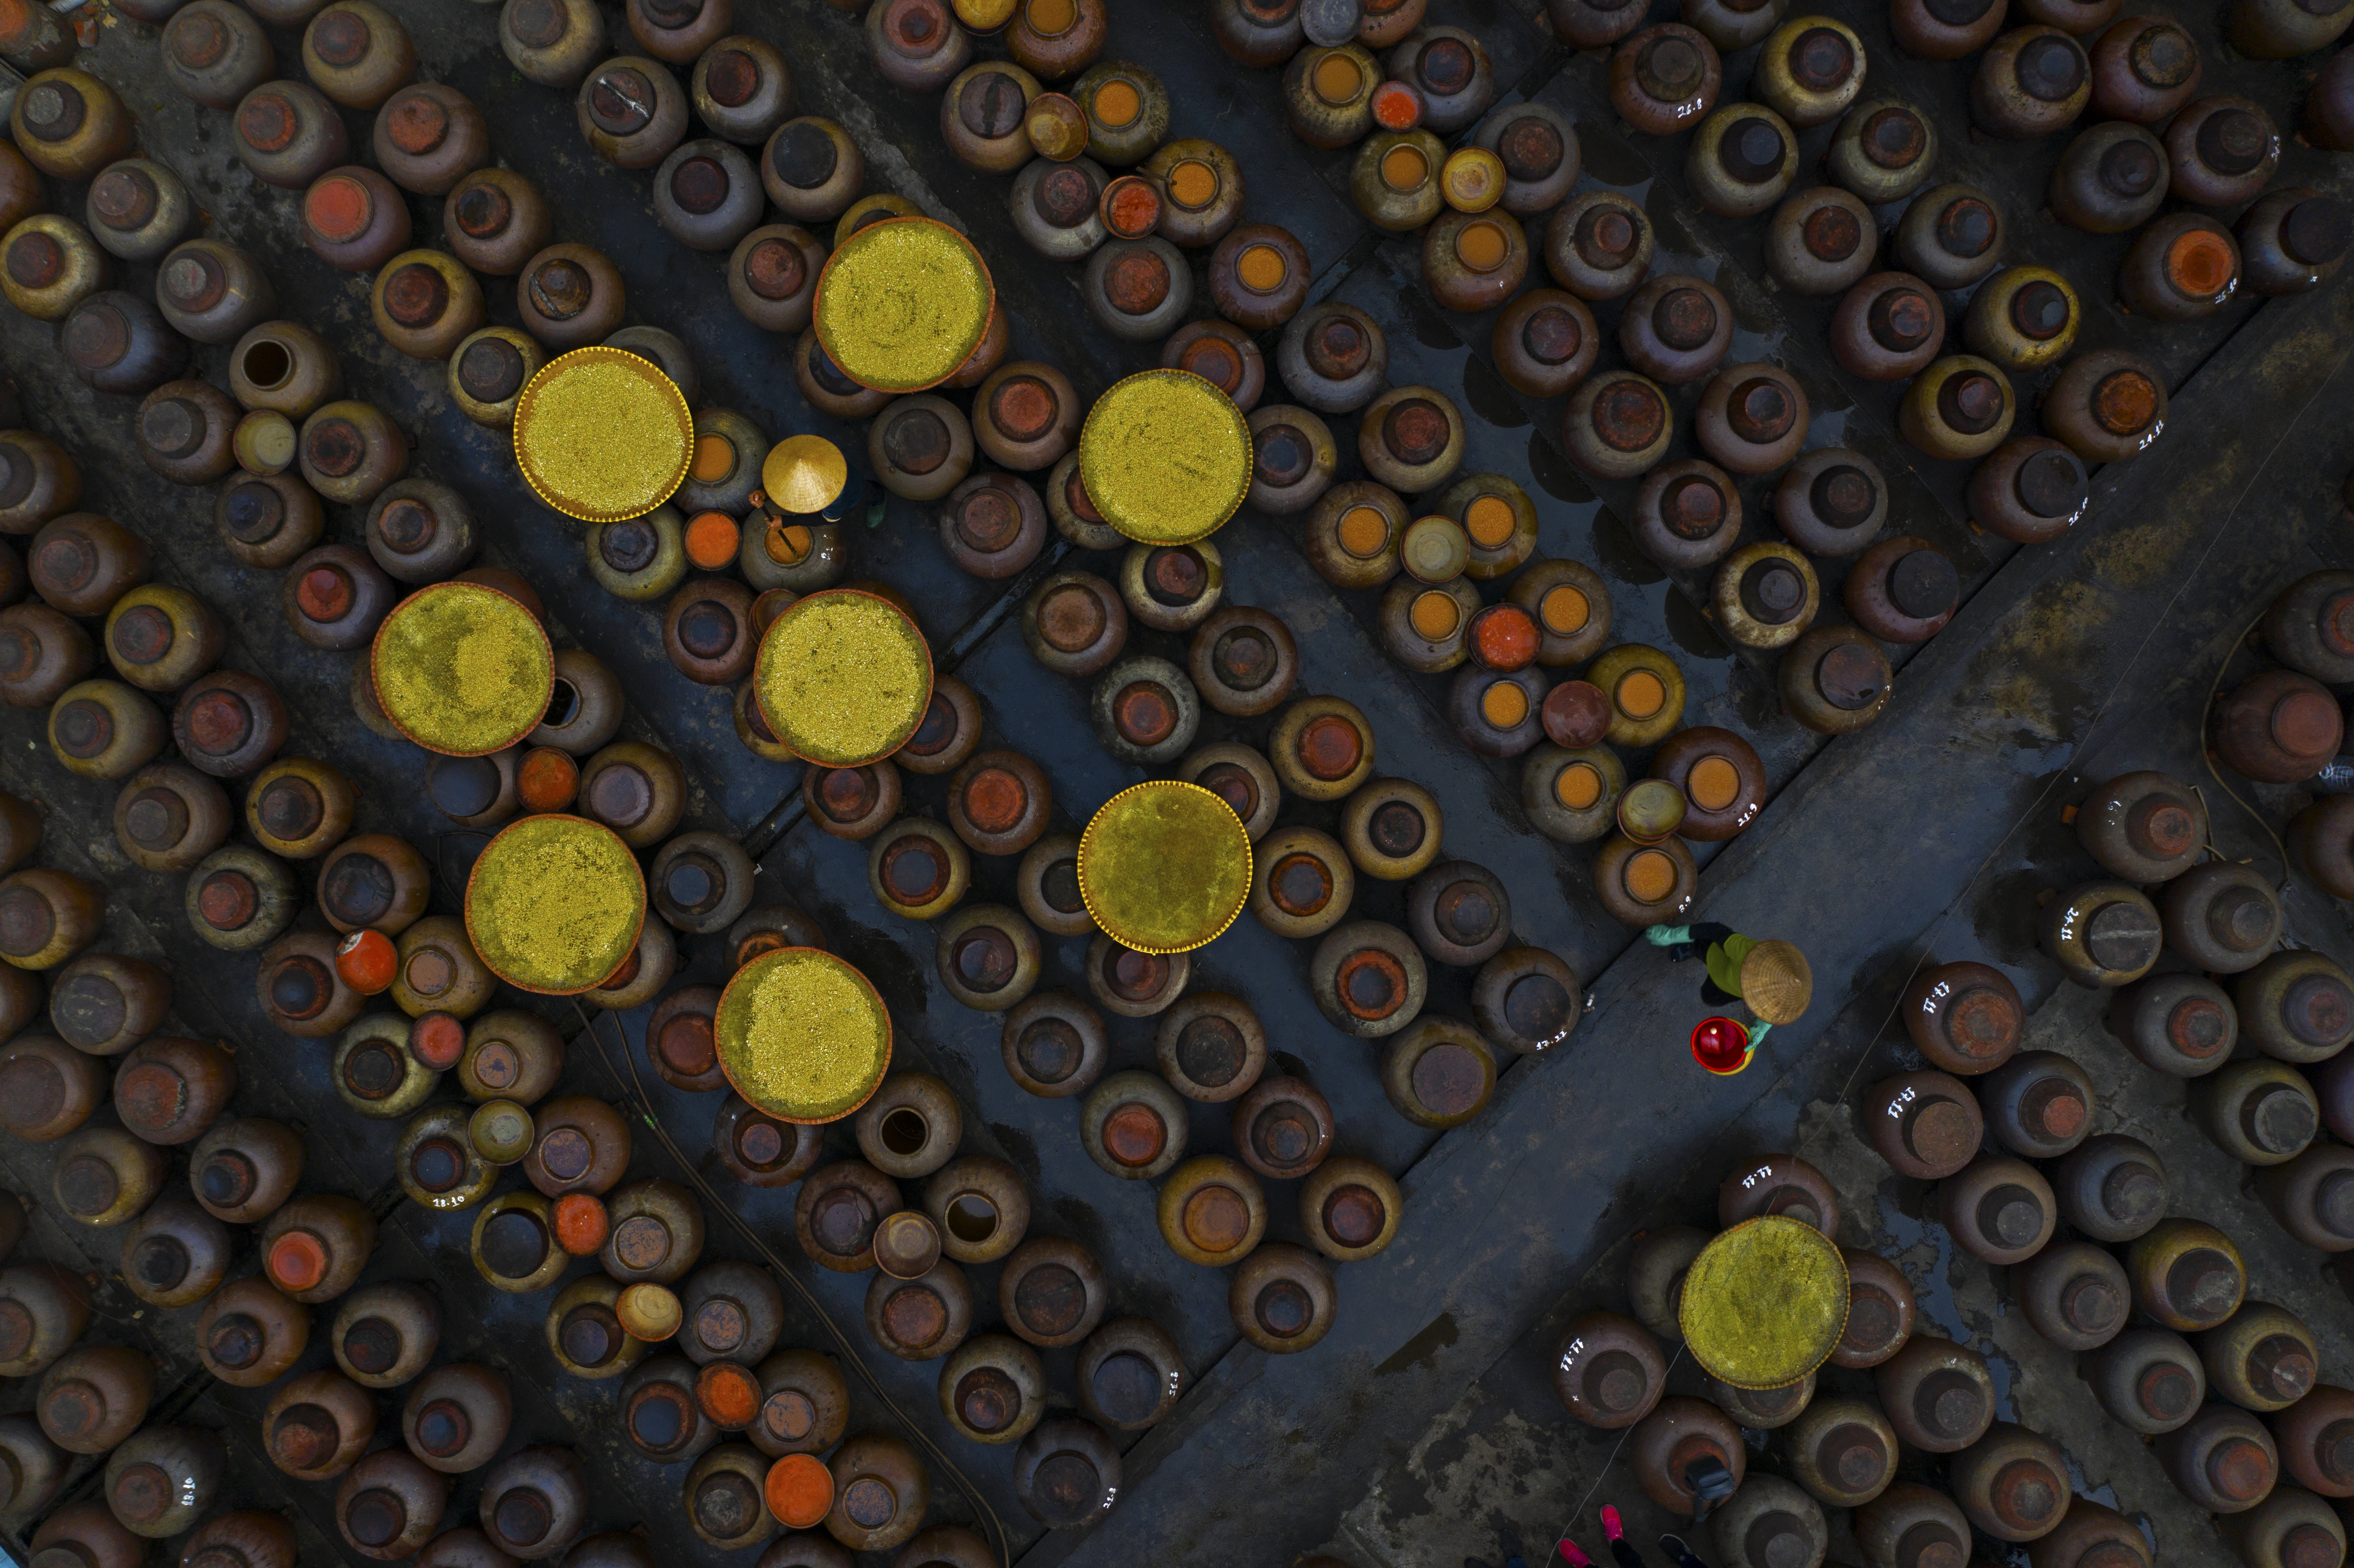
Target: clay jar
x,y
2183,267
2278,727
2147,1379
2223,1458
2263,1360
2183,1025
2038,1105
2187,1275
1598,246
1926,1125
1964,1017
837,1211
1879,1310
2013,1483
2314,1437
53,1089
2145,827
1664,78
2292,240
1999,1208
2221,152
1842,1451
1780,1185
2073,1294
1608,1370
1679,1431
2112,178
2034,80
2111,1188
1938,1396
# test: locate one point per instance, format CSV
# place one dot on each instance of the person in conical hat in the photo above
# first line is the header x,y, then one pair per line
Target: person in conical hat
x,y
1771,976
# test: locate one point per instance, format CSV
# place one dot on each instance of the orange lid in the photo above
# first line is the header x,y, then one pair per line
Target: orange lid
x,y
728,1394
1489,520
366,961
547,779
1338,78
1564,609
1403,167
297,1262
711,540
1117,103
1641,693
1504,704
2199,264
1434,615
338,208
1578,785
1504,637
1364,530
1482,246
1651,876
581,1223
715,459
1262,269
788,543
1131,207
799,1491
1713,782
1194,185
437,1039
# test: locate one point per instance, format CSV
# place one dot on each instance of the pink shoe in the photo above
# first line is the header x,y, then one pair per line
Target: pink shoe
x,y
1573,1556
1612,1525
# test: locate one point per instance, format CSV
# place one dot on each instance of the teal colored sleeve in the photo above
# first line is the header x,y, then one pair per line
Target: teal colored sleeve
x,y
1758,1031
1667,935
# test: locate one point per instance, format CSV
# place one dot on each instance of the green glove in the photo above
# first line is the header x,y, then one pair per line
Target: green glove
x,y
1758,1034
1667,935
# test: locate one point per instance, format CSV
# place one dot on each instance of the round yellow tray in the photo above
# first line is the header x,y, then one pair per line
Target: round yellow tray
x,y
1165,457
802,1035
1164,866
844,677
463,669
1765,1303
902,303
601,434
554,904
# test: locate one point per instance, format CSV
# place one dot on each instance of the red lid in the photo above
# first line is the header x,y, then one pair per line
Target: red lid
x,y
297,1262
437,1040
581,1223
1397,106
366,961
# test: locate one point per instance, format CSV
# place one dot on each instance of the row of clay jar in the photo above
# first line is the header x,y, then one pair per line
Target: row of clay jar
x,y
253,1330
990,956
2264,1109
1140,286
1938,1397
850,1216
2113,1189
313,1247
